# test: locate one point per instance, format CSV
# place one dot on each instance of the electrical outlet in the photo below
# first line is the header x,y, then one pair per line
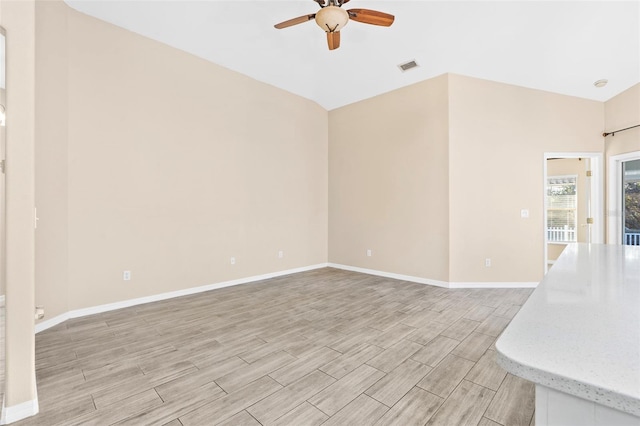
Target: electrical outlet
x,y
369,252
487,262
524,213
126,275
233,260
280,254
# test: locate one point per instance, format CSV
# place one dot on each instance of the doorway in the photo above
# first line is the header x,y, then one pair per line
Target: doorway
x,y
572,202
623,224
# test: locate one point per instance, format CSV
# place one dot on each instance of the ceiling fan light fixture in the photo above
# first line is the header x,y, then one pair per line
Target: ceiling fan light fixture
x,y
332,18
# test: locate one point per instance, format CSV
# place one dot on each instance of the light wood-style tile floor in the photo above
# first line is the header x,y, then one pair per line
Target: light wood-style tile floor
x,y
322,347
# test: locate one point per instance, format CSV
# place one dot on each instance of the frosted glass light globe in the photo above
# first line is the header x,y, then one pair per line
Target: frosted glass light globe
x,y
332,18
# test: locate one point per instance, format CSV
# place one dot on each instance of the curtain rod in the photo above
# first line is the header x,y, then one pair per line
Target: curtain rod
x,y
605,134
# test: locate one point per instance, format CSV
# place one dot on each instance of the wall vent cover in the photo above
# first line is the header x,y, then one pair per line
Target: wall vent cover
x,y
407,66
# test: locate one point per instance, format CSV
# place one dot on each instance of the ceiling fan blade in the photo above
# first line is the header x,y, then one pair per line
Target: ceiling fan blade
x,y
343,2
372,17
295,21
333,40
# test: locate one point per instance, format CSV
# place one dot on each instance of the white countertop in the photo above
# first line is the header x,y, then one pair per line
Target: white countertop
x,y
579,332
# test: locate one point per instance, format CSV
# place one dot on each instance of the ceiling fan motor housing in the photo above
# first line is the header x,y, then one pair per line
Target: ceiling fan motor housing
x,y
332,18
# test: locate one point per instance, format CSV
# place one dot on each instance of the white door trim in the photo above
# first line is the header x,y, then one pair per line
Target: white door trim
x,y
614,199
597,195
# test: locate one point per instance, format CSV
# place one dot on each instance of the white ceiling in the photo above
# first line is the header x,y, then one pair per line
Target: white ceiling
x,y
561,47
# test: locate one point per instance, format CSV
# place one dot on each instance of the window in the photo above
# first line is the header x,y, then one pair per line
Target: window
x,y
562,208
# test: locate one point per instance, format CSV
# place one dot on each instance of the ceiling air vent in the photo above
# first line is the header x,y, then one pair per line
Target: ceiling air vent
x,y
407,66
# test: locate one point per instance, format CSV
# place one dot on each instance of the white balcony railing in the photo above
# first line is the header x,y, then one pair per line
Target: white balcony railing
x,y
566,234
632,238
562,234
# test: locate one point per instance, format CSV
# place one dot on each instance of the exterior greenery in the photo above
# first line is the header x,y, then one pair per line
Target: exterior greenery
x,y
632,206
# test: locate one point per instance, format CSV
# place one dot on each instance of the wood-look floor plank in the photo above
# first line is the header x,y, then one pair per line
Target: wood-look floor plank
x,y
167,411
349,361
207,358
474,346
241,377
304,414
460,329
60,412
486,422
354,339
345,390
414,409
222,408
422,318
117,391
362,411
464,407
507,310
479,313
514,402
493,325
113,413
303,366
449,316
392,387
486,372
392,336
198,380
435,351
241,419
427,333
394,356
281,402
446,376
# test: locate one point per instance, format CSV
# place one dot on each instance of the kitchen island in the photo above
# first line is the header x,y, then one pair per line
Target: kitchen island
x,y
578,338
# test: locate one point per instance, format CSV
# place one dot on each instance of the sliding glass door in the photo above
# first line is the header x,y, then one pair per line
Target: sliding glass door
x,y
631,202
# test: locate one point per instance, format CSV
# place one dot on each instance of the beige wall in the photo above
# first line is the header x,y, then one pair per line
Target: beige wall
x,y
388,182
498,135
18,18
623,111
51,167
447,164
169,166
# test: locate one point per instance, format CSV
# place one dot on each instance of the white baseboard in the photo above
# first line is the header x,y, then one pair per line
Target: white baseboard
x,y
76,313
44,325
437,283
18,412
481,284
395,276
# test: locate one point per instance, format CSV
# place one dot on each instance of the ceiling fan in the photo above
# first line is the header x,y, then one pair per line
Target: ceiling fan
x,y
331,18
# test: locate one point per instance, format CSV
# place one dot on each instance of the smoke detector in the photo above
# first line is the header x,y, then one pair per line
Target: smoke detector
x,y
601,83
